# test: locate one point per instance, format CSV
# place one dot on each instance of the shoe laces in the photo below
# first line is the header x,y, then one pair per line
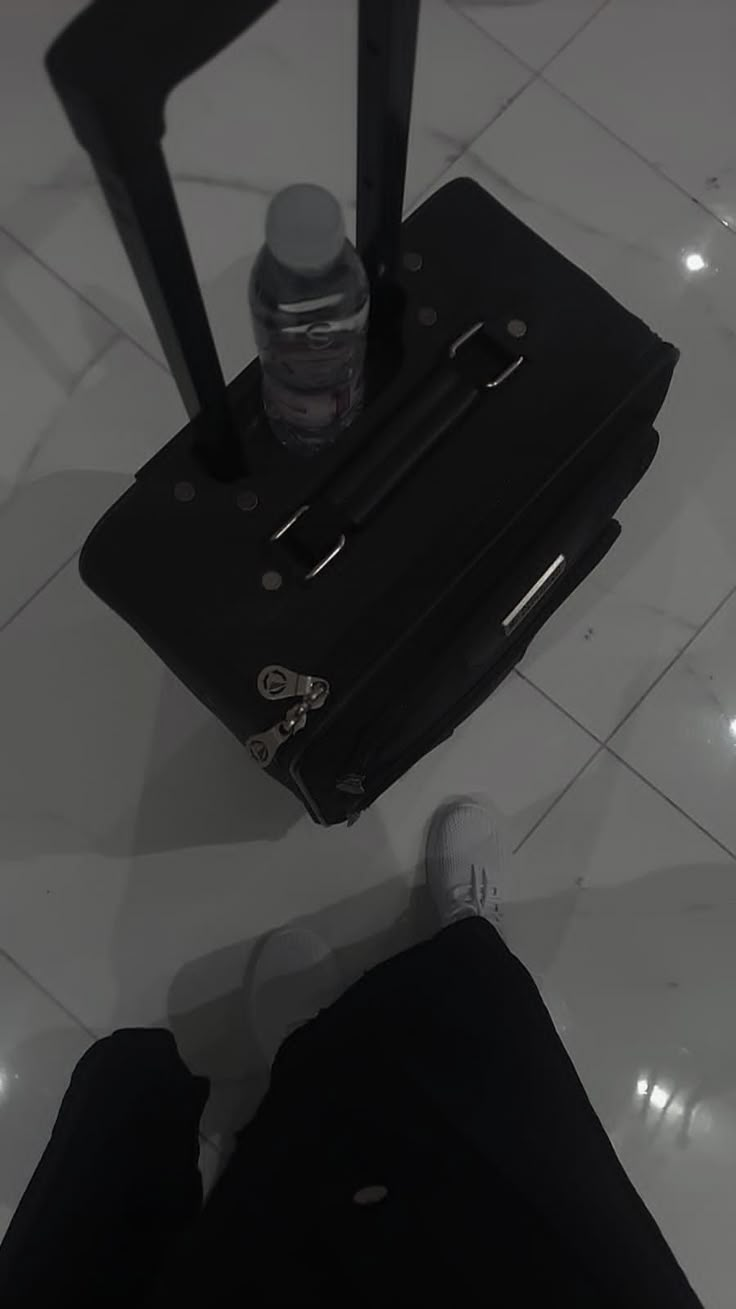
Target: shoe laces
x,y
478,894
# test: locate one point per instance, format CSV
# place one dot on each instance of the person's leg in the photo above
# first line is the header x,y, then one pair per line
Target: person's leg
x,y
438,1088
257,1237
117,1184
484,1050
440,1073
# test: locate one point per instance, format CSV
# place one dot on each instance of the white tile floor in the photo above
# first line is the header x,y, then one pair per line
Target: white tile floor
x,y
140,856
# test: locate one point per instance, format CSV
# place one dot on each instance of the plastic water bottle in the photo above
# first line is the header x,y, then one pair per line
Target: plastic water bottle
x,y
309,299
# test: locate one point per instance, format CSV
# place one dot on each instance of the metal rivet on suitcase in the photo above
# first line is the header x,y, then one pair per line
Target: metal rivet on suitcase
x,y
247,500
427,316
412,261
184,491
271,580
517,328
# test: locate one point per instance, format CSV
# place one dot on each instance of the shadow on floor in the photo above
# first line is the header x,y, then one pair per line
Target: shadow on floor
x,y
210,1019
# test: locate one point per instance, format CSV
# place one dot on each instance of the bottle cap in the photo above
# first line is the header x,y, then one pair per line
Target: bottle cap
x,y
305,229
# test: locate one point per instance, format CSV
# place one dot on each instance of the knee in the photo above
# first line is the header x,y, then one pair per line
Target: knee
x,y
132,1054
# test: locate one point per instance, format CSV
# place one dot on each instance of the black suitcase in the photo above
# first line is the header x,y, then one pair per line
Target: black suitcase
x,y
342,615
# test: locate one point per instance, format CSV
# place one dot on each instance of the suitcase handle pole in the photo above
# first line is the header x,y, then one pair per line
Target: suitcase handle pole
x,y
113,68
387,42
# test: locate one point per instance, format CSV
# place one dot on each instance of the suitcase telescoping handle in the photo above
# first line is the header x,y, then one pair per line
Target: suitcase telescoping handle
x,y
113,68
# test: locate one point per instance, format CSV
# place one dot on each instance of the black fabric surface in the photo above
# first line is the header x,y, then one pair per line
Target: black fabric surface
x,y
439,1075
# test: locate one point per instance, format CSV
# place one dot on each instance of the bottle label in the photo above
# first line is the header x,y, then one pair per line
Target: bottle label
x,y
313,376
312,410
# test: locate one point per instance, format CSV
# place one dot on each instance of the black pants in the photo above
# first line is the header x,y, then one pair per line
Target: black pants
x,y
438,1076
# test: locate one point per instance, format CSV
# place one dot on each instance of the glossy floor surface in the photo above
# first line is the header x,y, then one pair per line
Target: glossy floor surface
x,y
141,857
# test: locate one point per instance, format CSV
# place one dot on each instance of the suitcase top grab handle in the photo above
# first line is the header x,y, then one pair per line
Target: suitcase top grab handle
x,y
113,68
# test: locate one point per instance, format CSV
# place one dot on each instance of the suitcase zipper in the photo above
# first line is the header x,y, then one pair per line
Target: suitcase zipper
x,y
357,781
278,683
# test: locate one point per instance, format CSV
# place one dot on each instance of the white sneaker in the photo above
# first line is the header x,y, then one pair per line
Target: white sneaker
x,y
295,975
467,862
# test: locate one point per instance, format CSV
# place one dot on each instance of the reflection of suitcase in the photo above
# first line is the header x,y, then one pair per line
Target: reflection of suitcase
x,y
342,615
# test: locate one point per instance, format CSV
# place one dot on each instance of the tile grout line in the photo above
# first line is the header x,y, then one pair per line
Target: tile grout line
x,y
658,172
645,781
560,796
570,41
434,184
672,803
551,700
605,745
541,75
460,12
464,17
533,77
663,673
606,740
120,333
5,954
39,589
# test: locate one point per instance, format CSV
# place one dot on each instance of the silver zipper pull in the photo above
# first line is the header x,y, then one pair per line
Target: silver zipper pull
x,y
264,746
278,683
